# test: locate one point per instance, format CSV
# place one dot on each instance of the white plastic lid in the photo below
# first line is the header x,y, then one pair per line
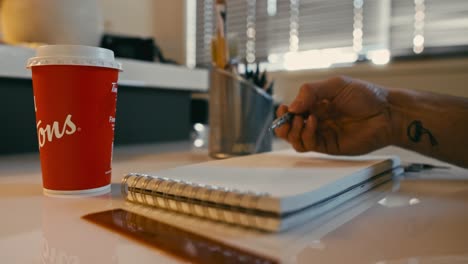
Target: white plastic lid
x,y
74,55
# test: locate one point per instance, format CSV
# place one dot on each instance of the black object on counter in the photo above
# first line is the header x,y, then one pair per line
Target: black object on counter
x,y
144,49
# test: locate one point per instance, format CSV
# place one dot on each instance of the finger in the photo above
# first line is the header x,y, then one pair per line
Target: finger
x,y
330,140
294,135
327,137
282,131
282,109
309,133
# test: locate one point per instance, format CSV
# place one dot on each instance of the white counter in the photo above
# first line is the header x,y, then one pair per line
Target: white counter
x,y
424,220
136,73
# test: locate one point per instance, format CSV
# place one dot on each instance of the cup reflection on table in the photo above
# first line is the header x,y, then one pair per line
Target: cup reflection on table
x,y
69,239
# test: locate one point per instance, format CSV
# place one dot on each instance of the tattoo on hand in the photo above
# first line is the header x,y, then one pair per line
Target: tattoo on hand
x,y
415,131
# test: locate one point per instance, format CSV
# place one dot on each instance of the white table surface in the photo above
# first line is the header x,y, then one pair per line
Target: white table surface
x,y
424,220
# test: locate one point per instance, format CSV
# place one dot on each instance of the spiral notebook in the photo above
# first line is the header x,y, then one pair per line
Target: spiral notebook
x,y
270,191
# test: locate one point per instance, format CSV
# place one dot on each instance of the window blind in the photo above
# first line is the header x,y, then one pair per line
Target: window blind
x,y
442,24
365,25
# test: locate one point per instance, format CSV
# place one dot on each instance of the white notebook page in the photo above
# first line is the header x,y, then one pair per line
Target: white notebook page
x,y
294,180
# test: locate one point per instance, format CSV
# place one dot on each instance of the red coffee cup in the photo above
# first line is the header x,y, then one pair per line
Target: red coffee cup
x,y
75,95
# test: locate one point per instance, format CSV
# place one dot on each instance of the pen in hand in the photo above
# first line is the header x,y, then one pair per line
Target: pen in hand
x,y
281,120
322,109
286,118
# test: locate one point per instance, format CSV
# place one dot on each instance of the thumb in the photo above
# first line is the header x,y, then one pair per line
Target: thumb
x,y
311,94
304,99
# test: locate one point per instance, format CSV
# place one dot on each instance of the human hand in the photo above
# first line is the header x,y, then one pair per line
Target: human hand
x,y
340,116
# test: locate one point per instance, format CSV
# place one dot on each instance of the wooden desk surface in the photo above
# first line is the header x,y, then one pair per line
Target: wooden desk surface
x,y
423,220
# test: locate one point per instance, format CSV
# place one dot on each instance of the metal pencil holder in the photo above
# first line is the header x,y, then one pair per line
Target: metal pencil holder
x,y
240,114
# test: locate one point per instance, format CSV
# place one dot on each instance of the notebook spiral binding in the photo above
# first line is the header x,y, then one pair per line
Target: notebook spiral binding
x,y
206,201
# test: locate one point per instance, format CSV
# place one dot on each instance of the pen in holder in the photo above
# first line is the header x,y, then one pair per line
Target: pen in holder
x,y
240,114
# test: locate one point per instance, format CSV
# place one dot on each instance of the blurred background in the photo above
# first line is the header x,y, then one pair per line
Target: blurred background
x,y
418,44
414,44
303,40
